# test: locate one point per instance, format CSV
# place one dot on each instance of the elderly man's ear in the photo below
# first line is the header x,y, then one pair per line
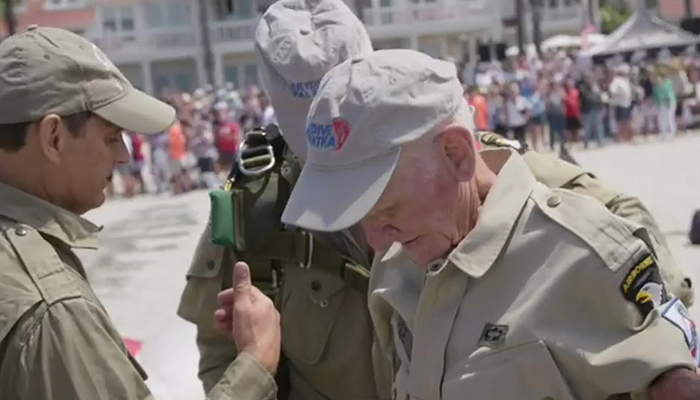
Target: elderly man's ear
x,y
457,149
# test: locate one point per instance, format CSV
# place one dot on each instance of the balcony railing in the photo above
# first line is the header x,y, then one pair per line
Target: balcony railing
x,y
233,31
147,40
416,13
160,40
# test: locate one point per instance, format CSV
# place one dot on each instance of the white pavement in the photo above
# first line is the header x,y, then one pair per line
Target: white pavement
x,y
139,273
147,244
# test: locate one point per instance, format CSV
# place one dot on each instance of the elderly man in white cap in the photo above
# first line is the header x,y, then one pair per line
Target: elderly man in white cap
x,y
489,285
322,295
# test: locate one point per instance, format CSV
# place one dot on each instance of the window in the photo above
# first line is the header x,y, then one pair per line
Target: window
x,y
161,14
109,19
127,19
118,21
231,75
154,14
63,4
183,82
250,74
179,13
160,84
245,8
233,9
553,3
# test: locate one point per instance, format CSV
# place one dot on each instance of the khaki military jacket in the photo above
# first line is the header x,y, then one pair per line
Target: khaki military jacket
x,y
550,296
56,339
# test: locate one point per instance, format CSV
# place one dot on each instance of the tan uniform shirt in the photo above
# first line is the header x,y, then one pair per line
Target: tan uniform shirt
x,y
56,339
549,297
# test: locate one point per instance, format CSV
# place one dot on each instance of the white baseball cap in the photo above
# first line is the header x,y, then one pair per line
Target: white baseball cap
x,y
365,110
297,43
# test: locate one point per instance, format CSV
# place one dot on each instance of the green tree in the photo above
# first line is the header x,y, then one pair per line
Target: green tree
x,y
611,17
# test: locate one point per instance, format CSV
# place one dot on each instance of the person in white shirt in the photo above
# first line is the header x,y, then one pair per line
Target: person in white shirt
x,y
268,113
517,112
621,96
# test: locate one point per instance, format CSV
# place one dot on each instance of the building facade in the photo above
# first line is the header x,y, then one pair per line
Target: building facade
x,y
74,15
160,44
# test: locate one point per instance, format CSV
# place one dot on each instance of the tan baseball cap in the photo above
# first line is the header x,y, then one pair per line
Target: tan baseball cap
x,y
53,71
297,42
365,110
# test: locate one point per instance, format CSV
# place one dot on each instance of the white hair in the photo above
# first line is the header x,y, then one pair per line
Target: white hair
x,y
420,156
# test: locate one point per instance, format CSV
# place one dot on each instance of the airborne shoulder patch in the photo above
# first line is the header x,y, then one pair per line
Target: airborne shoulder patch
x,y
494,140
643,286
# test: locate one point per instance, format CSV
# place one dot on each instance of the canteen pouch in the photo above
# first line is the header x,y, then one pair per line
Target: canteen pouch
x,y
257,210
222,222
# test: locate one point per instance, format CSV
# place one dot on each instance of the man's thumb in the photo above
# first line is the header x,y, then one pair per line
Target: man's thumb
x,y
241,281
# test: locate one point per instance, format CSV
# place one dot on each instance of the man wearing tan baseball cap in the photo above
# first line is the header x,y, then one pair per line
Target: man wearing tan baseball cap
x,y
488,284
63,106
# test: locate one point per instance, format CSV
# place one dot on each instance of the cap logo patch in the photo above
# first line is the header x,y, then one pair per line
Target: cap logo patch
x,y
341,129
304,90
329,137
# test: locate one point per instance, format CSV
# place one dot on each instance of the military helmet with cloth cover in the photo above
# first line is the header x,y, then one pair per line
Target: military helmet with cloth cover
x,y
53,71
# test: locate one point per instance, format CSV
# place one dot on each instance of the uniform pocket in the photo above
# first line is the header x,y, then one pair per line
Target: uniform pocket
x,y
311,301
525,372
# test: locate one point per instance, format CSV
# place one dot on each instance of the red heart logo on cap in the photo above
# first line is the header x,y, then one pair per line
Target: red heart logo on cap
x,y
341,130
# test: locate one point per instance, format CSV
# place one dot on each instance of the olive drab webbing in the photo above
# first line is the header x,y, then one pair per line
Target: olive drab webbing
x,y
246,217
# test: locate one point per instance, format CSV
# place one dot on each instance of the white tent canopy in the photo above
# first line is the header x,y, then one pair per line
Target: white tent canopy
x,y
643,31
559,42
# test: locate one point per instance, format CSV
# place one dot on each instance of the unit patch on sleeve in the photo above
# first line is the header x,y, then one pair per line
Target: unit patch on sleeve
x,y
643,286
677,314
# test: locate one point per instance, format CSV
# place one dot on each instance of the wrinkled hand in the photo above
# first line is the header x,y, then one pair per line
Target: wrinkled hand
x,y
250,317
676,384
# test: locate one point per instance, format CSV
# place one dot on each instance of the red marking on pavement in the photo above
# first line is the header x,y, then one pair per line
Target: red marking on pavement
x,y
134,346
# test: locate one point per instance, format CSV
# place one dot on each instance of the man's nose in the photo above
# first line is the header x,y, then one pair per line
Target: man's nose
x,y
122,155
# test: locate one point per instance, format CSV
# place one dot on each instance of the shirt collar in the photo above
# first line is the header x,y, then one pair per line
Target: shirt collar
x,y
477,252
51,220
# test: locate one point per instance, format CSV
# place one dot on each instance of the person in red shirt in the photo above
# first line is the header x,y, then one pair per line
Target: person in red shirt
x,y
572,111
481,108
137,162
228,136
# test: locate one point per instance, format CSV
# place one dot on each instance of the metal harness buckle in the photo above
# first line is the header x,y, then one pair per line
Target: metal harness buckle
x,y
255,154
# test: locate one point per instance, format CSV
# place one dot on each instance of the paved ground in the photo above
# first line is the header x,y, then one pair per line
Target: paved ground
x,y
148,242
139,273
